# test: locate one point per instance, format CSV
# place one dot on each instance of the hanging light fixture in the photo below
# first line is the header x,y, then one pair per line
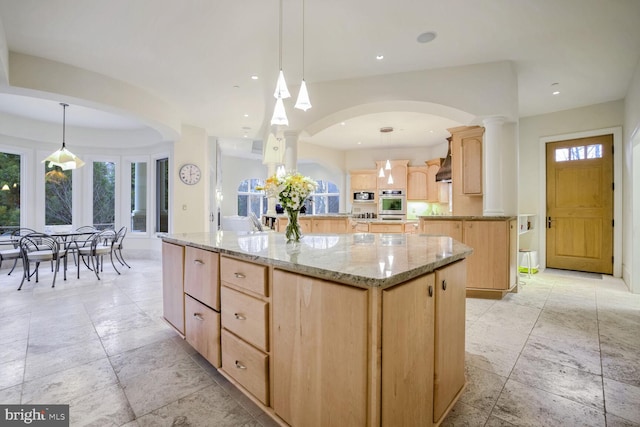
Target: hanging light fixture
x,y
64,158
279,114
303,103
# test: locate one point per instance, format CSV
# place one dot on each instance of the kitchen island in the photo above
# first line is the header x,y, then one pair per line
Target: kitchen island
x,y
355,329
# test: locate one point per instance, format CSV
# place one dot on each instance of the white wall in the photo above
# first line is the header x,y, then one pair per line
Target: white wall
x,y
234,170
531,132
631,191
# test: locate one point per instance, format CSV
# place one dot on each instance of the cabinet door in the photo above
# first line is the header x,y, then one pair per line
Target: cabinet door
x,y
376,227
363,181
319,351
246,365
407,331
488,266
398,172
417,178
449,336
201,278
443,191
432,185
202,330
451,228
330,225
172,285
472,165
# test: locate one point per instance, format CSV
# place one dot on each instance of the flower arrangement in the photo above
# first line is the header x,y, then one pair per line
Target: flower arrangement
x,y
291,190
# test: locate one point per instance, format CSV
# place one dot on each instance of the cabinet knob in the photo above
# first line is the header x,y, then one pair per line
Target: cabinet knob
x,y
239,275
198,262
198,316
240,365
239,316
430,290
444,285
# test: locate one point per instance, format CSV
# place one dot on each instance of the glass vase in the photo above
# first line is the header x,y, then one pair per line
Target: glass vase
x,y
292,231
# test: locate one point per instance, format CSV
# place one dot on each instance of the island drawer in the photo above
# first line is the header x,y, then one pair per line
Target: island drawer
x,y
246,317
201,276
202,329
246,365
386,228
252,277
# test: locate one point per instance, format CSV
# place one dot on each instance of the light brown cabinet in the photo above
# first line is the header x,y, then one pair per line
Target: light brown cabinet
x,y
433,187
202,326
172,285
472,165
492,266
493,261
319,351
201,276
408,387
311,224
418,183
398,174
363,180
466,170
245,310
383,227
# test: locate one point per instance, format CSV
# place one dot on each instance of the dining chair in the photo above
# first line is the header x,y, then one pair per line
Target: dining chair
x,y
39,247
13,253
83,238
92,254
117,246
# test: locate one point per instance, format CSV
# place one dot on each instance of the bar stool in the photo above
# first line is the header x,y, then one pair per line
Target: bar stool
x,y
527,254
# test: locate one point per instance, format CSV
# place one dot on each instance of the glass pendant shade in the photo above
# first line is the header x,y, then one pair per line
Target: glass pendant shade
x,y
381,173
281,87
303,103
387,165
64,158
279,114
390,180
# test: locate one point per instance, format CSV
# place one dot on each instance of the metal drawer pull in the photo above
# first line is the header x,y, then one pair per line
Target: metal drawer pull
x,y
198,261
239,275
239,316
198,316
240,365
444,285
430,290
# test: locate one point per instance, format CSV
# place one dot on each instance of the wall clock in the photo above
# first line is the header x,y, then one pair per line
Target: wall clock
x,y
190,174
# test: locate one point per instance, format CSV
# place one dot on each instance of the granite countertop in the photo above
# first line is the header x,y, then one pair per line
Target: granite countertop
x,y
468,217
357,259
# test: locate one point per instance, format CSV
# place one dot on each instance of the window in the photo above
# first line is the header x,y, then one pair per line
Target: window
x,y
138,197
579,153
251,200
9,192
58,202
104,195
326,199
162,195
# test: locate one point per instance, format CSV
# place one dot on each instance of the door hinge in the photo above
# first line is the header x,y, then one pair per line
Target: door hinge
x,y
613,222
613,186
611,260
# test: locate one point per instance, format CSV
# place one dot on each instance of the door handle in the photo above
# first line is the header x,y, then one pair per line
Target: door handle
x,y
549,221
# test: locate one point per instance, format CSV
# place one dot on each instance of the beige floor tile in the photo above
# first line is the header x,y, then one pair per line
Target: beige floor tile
x,y
622,400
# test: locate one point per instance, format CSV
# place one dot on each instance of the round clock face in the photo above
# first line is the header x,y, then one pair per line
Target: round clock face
x,y
190,174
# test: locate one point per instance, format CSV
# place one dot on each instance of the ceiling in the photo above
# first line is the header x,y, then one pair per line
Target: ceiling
x,y
199,56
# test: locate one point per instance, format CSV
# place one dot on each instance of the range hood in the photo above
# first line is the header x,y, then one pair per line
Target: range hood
x,y
444,173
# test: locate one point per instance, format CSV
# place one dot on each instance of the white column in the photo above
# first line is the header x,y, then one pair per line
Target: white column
x,y
493,200
271,201
291,151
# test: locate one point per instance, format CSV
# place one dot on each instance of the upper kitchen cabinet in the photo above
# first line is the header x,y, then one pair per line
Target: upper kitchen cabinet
x,y
433,187
363,180
466,169
418,183
394,174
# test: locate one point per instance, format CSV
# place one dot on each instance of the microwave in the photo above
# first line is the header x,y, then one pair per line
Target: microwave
x,y
363,196
392,202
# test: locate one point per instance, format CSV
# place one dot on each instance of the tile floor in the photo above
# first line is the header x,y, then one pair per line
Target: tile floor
x,y
564,351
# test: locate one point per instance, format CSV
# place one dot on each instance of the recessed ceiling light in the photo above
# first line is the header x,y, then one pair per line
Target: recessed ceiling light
x,y
246,136
246,128
342,123
427,37
236,86
555,88
359,142
254,77
379,57
246,115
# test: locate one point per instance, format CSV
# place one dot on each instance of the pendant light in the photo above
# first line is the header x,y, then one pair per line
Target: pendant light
x,y
303,103
279,114
64,158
